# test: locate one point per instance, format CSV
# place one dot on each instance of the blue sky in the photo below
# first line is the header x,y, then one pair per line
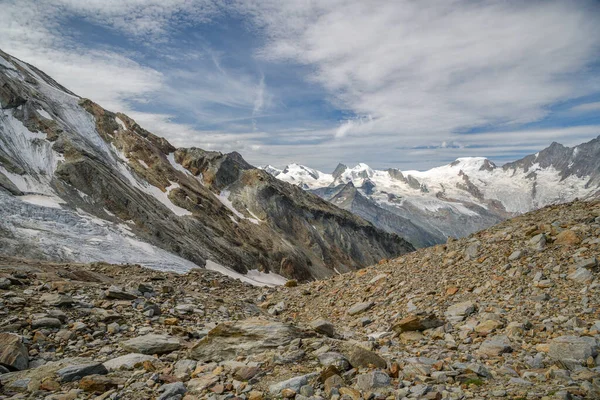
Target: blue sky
x,y
401,84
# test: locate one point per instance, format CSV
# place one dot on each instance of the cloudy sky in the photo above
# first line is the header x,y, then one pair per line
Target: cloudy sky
x,y
408,84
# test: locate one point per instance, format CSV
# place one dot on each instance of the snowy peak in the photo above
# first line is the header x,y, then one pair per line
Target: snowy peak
x,y
466,195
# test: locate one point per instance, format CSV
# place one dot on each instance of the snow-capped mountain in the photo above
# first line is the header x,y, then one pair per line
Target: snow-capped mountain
x,y
457,199
81,183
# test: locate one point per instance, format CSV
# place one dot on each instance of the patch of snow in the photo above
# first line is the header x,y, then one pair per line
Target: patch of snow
x,y
143,163
42,201
121,123
44,113
108,212
253,277
178,167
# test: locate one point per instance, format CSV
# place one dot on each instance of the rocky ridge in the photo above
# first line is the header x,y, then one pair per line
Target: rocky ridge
x,y
76,178
510,312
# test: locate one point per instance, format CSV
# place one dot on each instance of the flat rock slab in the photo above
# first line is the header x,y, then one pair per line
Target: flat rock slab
x,y
76,372
127,362
360,307
152,344
251,336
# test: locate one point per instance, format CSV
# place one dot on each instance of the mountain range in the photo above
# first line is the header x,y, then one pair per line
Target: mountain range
x,y
81,183
454,200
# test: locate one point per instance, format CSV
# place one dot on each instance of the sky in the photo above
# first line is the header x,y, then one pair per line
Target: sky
x,y
399,83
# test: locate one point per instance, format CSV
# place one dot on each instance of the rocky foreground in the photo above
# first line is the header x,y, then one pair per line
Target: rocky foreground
x,y
510,312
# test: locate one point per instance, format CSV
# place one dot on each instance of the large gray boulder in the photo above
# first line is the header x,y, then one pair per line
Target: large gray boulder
x,y
232,339
571,350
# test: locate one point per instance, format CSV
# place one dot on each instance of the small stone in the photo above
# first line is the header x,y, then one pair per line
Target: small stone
x,y
360,307
361,357
415,323
538,242
323,326
127,362
336,359
116,292
294,383
495,346
170,390
97,384
46,323
372,380
57,300
246,373
459,311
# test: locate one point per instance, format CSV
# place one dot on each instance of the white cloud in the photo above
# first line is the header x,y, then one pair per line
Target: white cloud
x,y
425,69
587,107
409,74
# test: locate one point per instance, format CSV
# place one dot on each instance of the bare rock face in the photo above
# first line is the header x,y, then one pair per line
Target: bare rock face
x,y
230,340
13,353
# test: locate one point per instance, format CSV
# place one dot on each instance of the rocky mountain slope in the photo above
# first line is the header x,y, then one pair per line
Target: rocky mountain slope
x,y
80,183
510,312
459,198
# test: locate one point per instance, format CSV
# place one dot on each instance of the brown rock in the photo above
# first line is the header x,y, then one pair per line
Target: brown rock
x,y
13,353
97,384
415,323
255,395
361,357
567,238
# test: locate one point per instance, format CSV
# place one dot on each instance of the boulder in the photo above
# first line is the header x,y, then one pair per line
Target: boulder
x,y
76,372
581,275
495,346
459,311
116,292
323,326
57,300
573,348
13,353
416,323
251,336
127,362
336,359
151,344
361,357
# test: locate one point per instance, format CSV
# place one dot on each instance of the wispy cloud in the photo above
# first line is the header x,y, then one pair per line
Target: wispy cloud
x,y
408,76
587,107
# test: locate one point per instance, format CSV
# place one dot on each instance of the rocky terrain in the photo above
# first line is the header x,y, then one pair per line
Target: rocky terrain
x,y
76,179
509,312
455,200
